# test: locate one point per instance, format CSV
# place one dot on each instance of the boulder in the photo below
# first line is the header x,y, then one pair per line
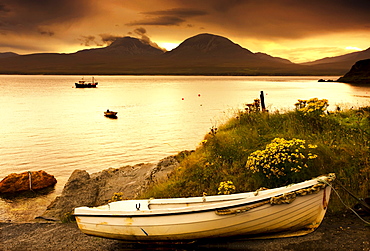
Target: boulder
x,y
80,190
98,188
26,181
128,180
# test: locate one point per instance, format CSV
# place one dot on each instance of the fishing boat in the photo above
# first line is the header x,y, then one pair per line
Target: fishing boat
x,y
293,210
110,114
84,84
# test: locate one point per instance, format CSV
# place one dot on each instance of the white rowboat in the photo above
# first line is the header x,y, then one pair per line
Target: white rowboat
x,y
293,210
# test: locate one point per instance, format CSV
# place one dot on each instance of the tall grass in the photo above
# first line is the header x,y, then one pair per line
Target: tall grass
x,y
342,140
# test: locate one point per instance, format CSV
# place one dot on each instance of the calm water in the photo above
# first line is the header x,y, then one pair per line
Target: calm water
x,y
47,124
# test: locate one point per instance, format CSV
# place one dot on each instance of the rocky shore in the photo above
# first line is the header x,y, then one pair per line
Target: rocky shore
x,y
83,189
337,232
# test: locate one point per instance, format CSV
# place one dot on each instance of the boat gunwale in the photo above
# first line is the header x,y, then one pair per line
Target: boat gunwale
x,y
150,213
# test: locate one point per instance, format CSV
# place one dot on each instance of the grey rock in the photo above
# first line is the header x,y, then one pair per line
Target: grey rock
x,y
98,188
80,190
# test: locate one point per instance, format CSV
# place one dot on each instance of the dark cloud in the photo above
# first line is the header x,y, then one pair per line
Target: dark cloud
x,y
261,19
107,39
223,6
169,17
28,16
181,12
67,23
88,41
46,32
282,18
163,20
3,9
144,38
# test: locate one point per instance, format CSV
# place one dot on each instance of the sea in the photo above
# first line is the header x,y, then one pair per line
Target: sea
x,y
48,124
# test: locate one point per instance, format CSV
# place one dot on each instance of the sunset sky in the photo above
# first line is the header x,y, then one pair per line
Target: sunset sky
x,y
294,29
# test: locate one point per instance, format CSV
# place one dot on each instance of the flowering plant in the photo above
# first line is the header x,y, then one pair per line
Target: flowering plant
x,y
226,187
281,160
116,197
312,106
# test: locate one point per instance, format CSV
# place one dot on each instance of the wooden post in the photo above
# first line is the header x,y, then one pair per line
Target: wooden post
x,y
262,102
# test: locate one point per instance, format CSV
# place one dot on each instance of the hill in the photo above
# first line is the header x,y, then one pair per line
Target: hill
x,y
347,59
359,73
8,54
203,54
207,53
123,47
340,63
206,47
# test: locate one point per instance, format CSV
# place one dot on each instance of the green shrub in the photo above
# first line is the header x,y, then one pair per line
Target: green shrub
x,y
342,140
116,197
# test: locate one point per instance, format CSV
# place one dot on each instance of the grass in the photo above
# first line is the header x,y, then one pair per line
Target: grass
x,y
342,140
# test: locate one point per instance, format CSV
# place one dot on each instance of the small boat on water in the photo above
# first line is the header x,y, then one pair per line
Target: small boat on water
x,y
110,114
84,84
293,210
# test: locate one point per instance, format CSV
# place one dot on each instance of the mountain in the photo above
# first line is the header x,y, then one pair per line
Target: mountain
x,y
340,64
206,47
203,54
8,54
124,56
215,55
359,73
124,47
350,57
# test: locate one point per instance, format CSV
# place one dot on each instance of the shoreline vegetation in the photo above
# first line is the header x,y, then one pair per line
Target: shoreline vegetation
x,y
254,149
258,149
251,150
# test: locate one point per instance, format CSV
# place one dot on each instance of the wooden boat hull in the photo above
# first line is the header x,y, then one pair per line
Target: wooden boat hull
x,y
235,217
86,85
110,114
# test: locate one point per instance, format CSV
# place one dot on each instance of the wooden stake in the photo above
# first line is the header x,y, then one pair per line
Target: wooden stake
x,y
262,98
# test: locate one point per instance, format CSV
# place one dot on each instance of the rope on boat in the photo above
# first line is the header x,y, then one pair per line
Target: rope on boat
x,y
285,198
259,189
348,207
240,210
288,198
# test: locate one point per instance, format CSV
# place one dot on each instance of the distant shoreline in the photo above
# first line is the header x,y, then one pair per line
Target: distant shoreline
x,y
169,74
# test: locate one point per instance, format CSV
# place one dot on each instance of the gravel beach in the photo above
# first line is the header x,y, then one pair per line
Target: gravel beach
x,y
337,232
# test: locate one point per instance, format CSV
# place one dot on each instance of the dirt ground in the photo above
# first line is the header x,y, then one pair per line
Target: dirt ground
x,y
337,232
